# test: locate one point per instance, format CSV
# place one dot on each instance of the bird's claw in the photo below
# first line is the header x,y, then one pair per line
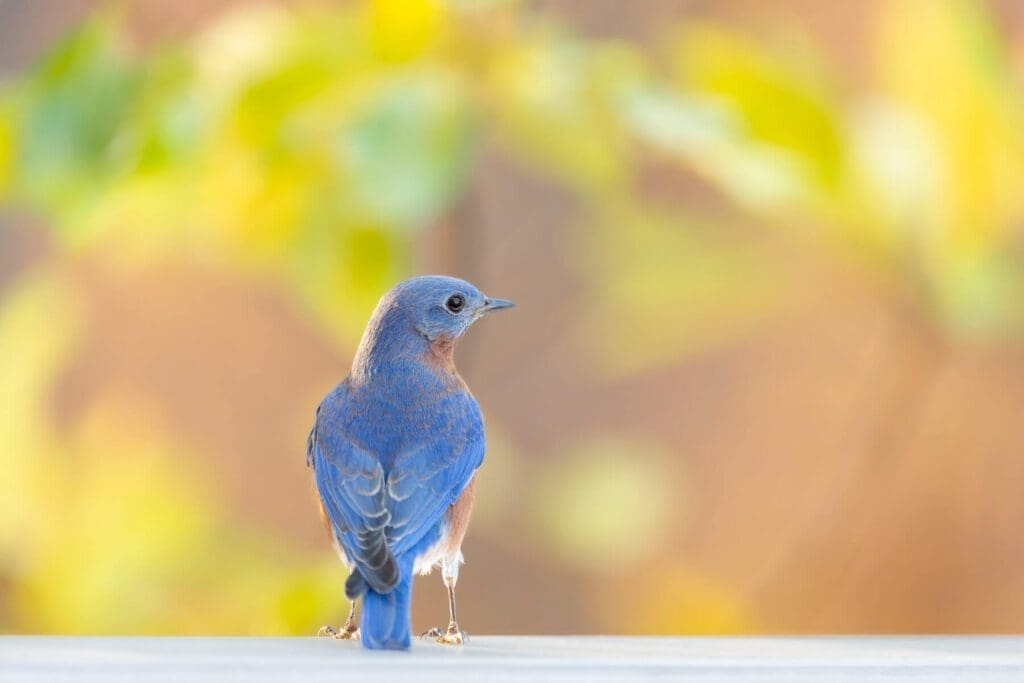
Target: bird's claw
x,y
347,632
453,636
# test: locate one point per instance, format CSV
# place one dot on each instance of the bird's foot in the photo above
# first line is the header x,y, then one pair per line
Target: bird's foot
x,y
349,631
453,636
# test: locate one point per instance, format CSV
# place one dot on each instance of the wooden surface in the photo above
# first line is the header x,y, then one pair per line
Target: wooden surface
x,y
515,659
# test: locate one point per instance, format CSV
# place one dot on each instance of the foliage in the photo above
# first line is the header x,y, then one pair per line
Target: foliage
x,y
313,143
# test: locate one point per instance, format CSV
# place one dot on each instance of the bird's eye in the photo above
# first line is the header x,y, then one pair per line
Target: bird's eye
x,y
455,303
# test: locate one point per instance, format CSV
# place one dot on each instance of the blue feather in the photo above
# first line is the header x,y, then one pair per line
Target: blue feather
x,y
384,624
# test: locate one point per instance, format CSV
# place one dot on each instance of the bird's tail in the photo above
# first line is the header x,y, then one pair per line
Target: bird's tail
x,y
385,620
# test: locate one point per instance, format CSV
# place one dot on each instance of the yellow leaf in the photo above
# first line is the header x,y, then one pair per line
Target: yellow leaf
x,y
402,30
606,504
6,149
677,599
782,101
654,272
951,71
39,325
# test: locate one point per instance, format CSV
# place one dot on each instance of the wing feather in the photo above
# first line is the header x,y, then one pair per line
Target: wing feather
x,y
427,478
378,514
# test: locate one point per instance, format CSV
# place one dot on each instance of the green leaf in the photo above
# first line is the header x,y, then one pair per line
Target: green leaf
x,y
70,113
663,287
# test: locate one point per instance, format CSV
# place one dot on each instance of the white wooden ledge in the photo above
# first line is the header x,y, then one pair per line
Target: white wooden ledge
x,y
507,658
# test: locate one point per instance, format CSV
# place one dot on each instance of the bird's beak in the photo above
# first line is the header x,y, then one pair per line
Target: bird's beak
x,y
496,304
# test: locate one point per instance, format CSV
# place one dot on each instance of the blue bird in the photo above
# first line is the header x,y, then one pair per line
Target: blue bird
x,y
394,451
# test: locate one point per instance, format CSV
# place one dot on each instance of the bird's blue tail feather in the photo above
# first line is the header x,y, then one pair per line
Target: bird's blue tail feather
x,y
384,624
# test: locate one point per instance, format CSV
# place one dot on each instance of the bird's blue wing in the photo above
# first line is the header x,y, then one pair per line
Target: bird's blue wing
x,y
427,478
351,483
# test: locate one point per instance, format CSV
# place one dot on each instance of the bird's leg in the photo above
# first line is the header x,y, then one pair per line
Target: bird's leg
x,y
349,630
453,635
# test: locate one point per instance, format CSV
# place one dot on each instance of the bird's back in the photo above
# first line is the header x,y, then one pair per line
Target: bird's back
x,y
389,416
424,432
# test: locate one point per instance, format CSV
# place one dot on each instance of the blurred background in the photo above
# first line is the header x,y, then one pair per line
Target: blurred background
x,y
767,370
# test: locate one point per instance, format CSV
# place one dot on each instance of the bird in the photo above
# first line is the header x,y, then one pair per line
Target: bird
x,y
394,449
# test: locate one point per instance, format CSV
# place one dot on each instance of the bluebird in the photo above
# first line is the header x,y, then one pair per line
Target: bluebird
x,y
394,451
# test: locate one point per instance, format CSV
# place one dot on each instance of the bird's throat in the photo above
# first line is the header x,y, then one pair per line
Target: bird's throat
x,y
442,354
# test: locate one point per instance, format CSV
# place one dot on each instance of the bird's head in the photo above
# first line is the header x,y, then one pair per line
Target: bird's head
x,y
432,311
442,308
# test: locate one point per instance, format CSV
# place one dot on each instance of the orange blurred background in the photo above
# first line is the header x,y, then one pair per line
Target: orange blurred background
x,y
766,373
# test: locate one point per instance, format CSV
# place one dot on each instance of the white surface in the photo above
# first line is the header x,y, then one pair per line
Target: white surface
x,y
498,658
